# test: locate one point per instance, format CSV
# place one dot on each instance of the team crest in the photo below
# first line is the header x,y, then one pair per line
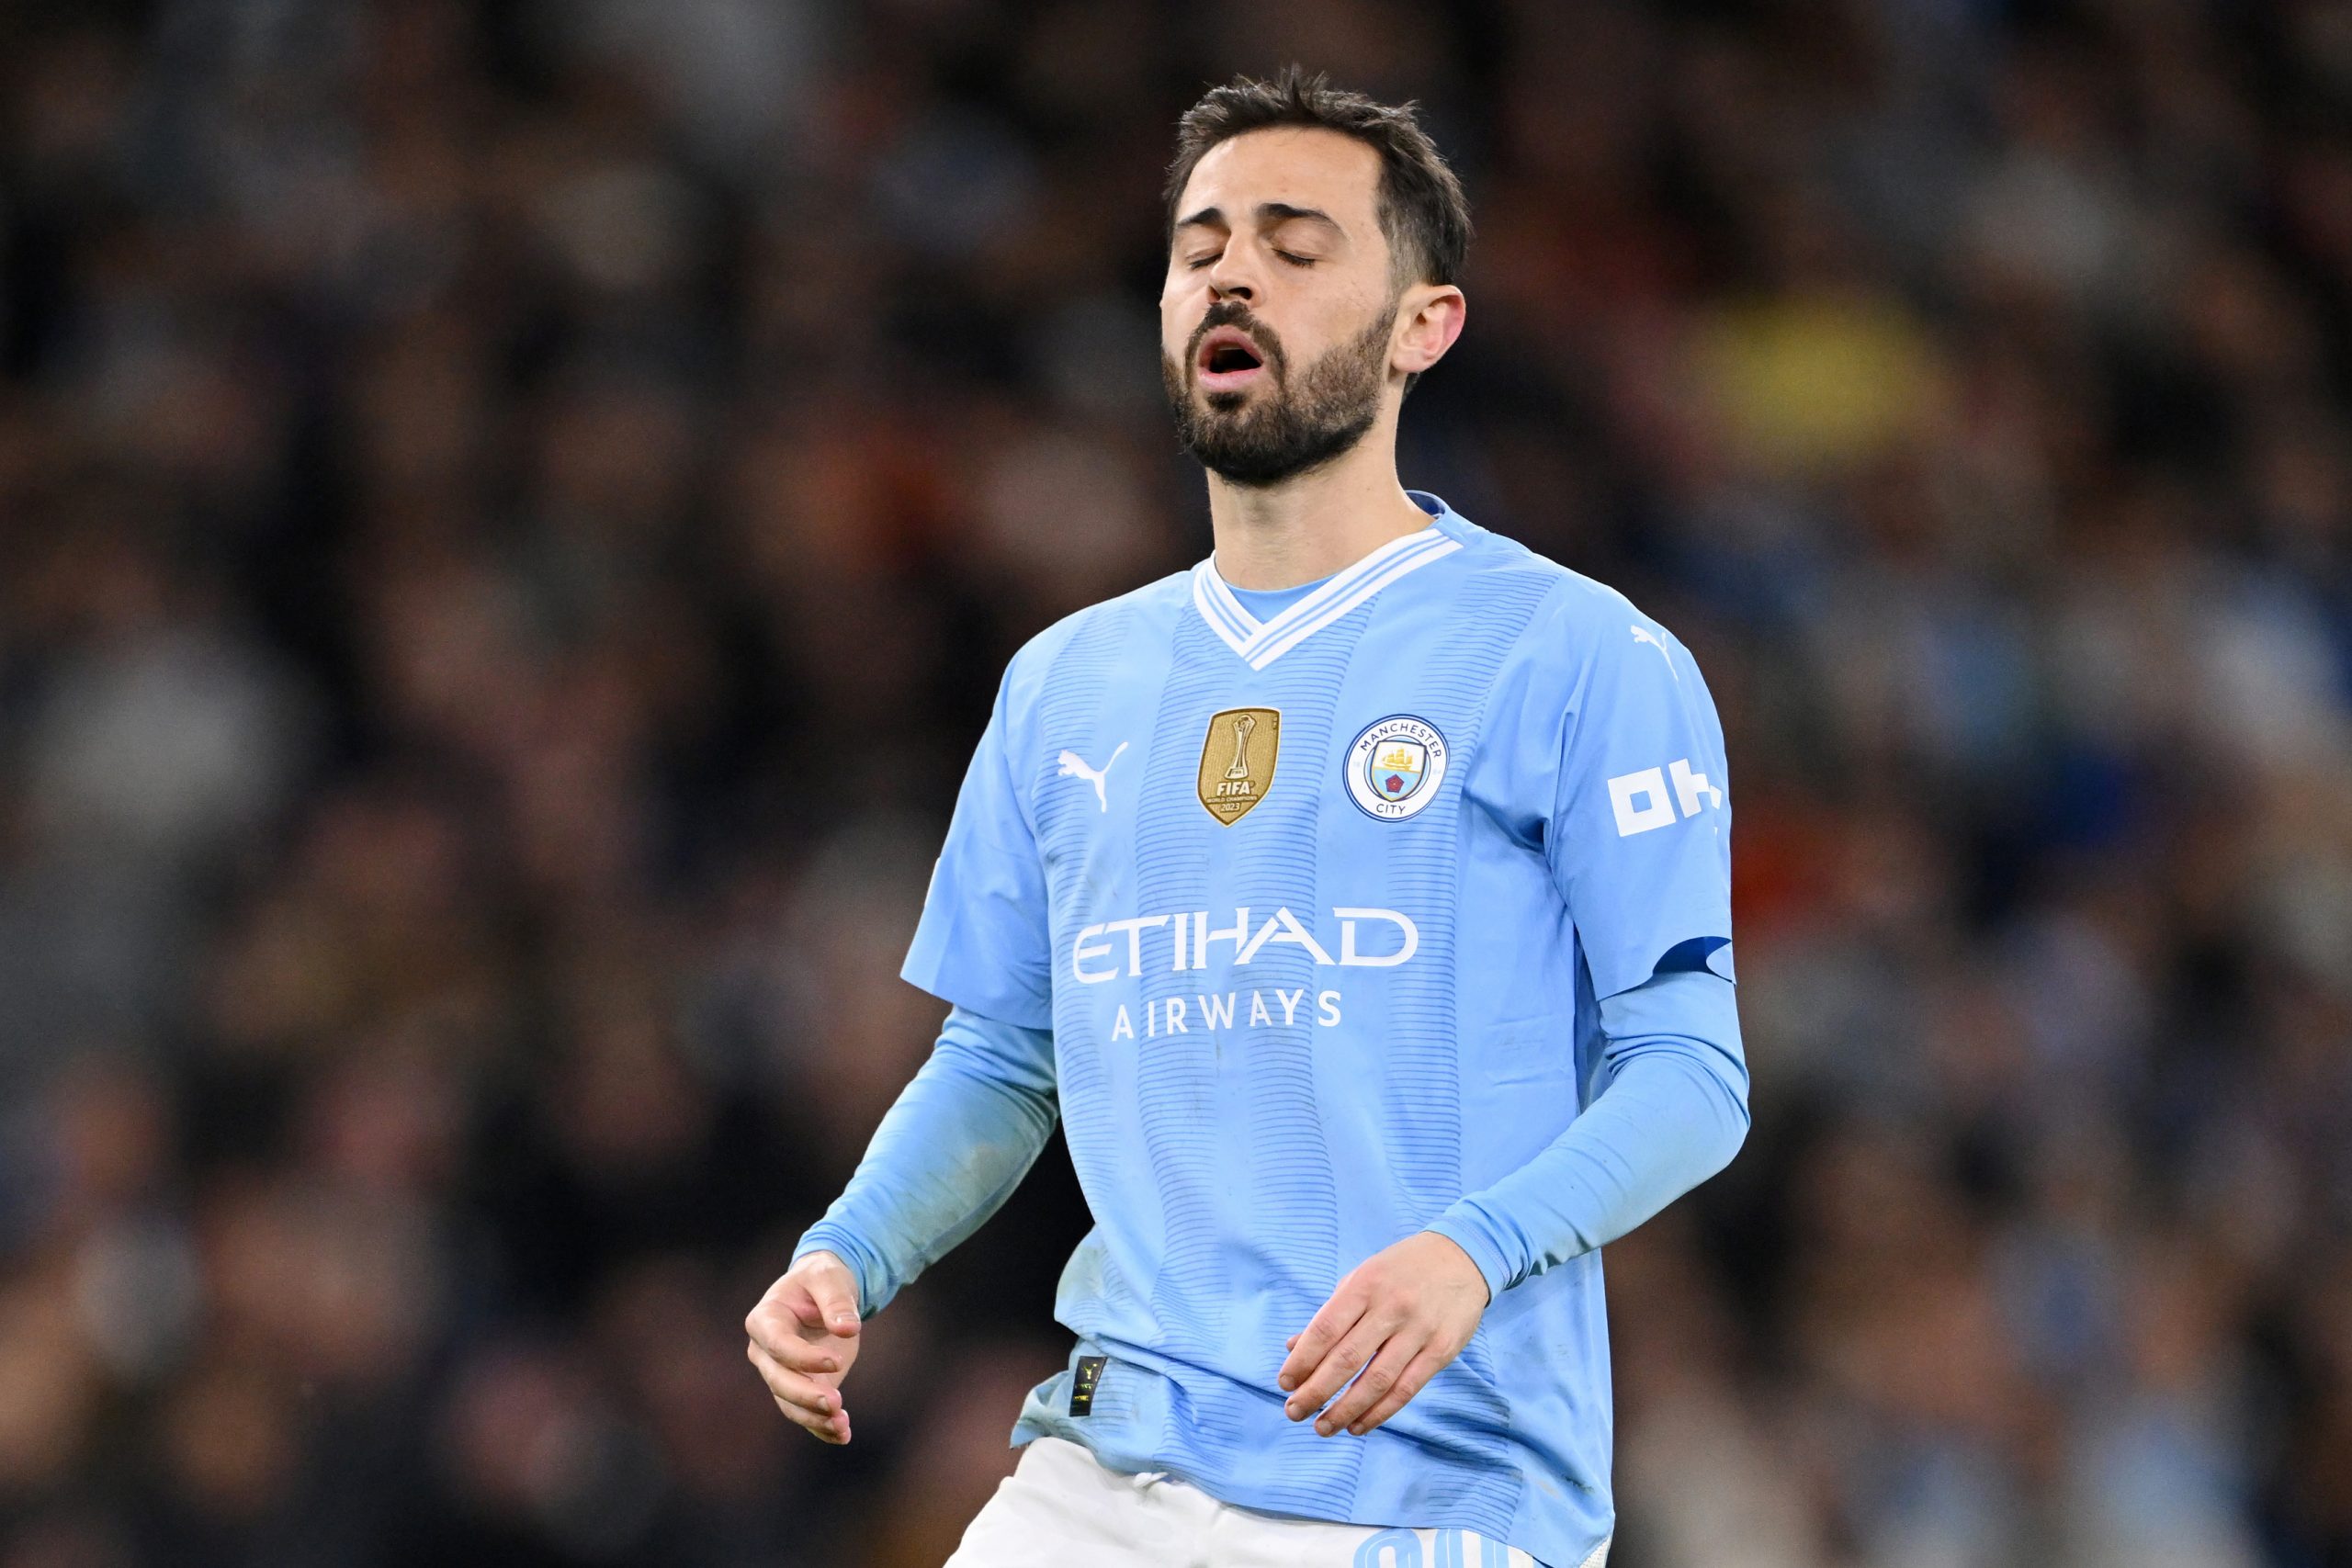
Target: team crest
x,y
1237,760
1395,766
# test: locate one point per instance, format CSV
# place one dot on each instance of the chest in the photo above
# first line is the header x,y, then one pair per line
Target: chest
x,y
1195,781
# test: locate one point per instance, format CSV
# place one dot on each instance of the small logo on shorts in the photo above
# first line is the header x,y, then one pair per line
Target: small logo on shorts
x,y
1395,766
1083,1384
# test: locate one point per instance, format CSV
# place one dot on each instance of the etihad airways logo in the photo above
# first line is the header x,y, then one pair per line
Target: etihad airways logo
x,y
1187,940
1369,939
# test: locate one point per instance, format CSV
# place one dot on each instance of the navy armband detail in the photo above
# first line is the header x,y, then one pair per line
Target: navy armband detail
x,y
1711,953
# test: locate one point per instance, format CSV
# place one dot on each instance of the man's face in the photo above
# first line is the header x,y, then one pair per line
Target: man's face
x,y
1276,323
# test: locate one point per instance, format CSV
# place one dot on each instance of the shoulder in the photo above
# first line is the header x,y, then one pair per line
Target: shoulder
x,y
1580,622
1099,630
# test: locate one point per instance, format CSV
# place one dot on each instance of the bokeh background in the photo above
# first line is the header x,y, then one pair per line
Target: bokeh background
x,y
510,518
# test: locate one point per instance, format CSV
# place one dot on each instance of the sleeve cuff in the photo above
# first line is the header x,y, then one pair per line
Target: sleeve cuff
x,y
1465,1232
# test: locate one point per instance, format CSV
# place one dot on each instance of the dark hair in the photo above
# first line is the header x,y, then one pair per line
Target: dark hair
x,y
1421,203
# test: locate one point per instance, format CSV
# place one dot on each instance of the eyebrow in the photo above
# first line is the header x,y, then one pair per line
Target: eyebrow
x,y
1269,212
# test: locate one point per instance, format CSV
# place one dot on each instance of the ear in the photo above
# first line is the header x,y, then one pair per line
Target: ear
x,y
1430,315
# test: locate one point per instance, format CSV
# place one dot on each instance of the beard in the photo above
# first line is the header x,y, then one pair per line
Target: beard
x,y
1294,428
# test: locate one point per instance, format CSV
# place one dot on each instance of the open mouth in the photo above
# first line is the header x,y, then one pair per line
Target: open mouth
x,y
1228,359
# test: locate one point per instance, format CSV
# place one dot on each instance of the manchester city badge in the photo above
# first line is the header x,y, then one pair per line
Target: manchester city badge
x,y
1395,766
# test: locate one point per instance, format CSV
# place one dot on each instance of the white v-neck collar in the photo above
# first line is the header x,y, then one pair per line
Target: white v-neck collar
x,y
1260,643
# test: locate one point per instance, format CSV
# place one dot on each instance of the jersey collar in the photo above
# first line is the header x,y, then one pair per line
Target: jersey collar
x,y
1260,643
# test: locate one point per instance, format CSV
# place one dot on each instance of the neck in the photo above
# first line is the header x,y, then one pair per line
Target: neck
x,y
1315,523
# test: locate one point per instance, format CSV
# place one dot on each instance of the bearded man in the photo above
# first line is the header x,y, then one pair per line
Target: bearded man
x,y
1359,900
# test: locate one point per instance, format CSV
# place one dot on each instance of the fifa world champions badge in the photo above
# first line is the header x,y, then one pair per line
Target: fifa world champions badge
x,y
1237,760
1395,766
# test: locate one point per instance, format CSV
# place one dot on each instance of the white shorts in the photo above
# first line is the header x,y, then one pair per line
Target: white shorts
x,y
1062,1509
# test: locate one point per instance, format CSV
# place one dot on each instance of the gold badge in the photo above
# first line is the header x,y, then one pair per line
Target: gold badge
x,y
1237,760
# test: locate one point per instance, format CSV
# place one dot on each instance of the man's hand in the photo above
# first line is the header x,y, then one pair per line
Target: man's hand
x,y
1398,1318
804,1337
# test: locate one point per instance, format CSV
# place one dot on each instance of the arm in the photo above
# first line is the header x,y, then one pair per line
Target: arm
x,y
1638,836
1673,1114
965,1130
952,1147
959,1139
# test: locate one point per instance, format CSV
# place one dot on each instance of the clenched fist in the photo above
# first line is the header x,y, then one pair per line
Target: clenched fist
x,y
804,1337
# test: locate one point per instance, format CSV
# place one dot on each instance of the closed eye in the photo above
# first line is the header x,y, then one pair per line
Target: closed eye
x,y
1196,263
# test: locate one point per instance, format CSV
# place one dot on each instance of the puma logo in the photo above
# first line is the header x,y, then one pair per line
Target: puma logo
x,y
1643,634
1074,766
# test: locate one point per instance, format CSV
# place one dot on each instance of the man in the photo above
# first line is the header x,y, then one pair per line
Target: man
x,y
1360,902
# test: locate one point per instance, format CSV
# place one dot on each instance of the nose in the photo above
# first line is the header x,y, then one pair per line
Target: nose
x,y
1229,277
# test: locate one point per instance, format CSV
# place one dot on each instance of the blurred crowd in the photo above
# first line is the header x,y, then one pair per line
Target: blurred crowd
x,y
510,518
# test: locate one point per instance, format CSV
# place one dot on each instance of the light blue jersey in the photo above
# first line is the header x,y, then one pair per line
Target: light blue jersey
x,y
1308,923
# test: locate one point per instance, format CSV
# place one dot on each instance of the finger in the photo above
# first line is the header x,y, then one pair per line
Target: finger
x,y
833,1428
1347,1358
1411,1381
1311,1343
1378,1381
1372,1385
783,1341
832,1304
791,1387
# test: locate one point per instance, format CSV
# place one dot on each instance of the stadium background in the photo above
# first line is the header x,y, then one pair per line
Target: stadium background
x,y
510,517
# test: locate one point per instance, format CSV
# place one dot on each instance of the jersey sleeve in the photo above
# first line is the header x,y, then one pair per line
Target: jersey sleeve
x,y
1639,832
982,941
952,1147
1674,1112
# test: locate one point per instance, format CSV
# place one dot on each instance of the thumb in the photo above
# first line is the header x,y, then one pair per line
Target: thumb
x,y
835,1306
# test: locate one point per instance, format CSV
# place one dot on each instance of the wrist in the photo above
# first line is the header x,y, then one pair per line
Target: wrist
x,y
1476,1252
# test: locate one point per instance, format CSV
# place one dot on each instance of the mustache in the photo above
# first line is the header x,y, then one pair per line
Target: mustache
x,y
1234,313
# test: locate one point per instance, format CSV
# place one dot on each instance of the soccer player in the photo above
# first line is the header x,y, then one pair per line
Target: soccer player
x,y
1359,901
